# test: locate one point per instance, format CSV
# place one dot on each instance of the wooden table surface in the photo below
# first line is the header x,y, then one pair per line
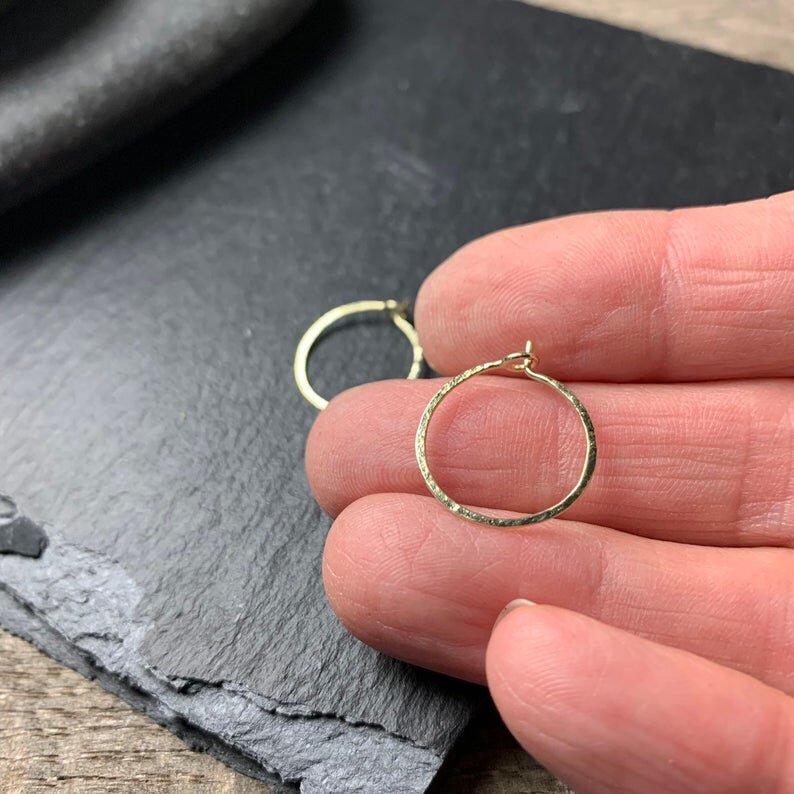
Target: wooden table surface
x,y
60,731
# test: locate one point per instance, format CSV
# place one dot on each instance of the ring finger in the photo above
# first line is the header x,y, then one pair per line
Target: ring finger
x,y
412,579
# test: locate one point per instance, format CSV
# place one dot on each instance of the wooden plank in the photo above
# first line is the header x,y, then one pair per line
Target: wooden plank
x,y
761,31
59,730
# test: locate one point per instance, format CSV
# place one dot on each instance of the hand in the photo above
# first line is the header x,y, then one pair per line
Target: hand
x,y
660,654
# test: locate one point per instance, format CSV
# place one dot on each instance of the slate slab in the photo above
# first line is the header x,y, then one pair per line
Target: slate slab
x,y
149,311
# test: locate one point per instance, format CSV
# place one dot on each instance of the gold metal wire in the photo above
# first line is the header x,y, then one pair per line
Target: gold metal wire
x,y
396,312
523,361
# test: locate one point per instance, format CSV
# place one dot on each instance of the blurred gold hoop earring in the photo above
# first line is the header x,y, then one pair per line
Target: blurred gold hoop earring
x,y
525,362
397,313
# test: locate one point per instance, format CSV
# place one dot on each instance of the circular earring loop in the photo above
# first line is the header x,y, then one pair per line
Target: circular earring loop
x,y
524,362
397,314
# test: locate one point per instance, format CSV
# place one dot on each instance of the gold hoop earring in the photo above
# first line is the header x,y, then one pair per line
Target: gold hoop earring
x,y
525,362
397,313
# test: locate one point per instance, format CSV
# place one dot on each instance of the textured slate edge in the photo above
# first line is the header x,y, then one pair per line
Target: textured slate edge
x,y
28,166
18,619
71,604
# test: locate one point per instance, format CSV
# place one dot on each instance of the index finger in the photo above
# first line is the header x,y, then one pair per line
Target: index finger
x,y
704,293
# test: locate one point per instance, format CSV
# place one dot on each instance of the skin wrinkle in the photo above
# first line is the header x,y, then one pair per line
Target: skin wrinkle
x,y
744,494
787,519
667,276
417,551
598,330
572,242
758,507
590,574
744,423
601,571
415,640
777,508
693,642
776,648
608,596
710,625
741,300
651,474
629,297
466,435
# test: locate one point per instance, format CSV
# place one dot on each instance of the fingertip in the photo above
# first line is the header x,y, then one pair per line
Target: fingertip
x,y
375,551
639,286
363,443
347,566
448,296
482,300
523,658
333,453
313,457
543,666
608,711
321,468
362,560
516,603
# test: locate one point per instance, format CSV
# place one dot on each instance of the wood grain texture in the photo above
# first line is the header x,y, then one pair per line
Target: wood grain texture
x,y
761,31
61,732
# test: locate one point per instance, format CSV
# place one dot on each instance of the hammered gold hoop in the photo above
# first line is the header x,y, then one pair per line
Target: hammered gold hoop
x,y
524,362
397,314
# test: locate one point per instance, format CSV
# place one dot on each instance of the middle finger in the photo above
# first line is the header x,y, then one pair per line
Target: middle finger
x,y
695,463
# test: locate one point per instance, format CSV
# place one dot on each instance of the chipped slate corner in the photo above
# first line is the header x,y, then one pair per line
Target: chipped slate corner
x,y
19,534
80,607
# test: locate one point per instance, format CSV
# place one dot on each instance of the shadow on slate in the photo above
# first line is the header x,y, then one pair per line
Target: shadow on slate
x,y
150,308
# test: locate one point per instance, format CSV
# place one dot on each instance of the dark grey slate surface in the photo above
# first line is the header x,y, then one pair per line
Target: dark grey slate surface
x,y
80,77
149,311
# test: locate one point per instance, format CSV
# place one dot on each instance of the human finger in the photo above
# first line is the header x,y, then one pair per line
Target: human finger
x,y
694,294
417,582
696,463
610,712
